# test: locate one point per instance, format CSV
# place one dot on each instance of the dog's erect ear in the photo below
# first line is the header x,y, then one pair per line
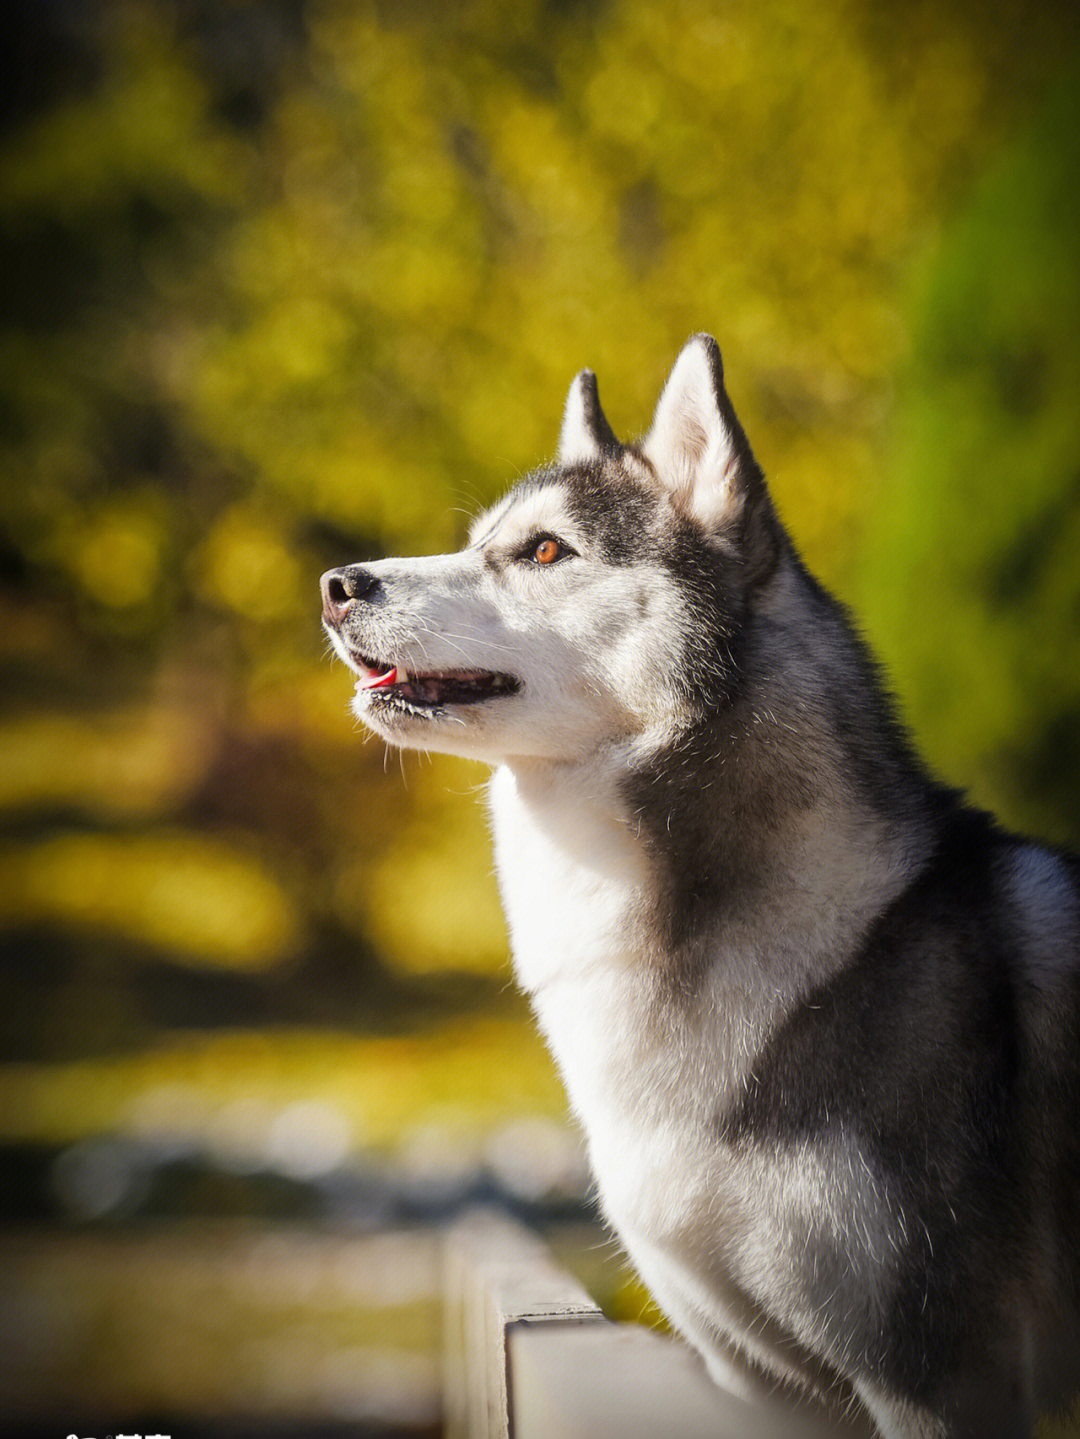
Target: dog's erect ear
x,y
586,433
696,445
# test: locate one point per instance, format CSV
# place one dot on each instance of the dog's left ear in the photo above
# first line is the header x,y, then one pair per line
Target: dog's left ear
x,y
586,433
699,451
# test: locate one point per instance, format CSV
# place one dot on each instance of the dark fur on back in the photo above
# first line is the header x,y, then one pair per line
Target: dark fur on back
x,y
918,1048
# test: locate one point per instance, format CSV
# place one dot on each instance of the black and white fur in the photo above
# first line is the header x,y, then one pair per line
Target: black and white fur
x,y
820,1020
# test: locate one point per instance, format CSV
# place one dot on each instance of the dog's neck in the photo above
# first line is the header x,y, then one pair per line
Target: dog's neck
x,y
645,897
746,831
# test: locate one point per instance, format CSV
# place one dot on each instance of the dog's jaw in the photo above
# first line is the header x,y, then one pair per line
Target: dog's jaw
x,y
432,690
389,695
433,694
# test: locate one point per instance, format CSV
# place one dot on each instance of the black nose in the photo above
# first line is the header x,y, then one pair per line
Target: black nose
x,y
341,587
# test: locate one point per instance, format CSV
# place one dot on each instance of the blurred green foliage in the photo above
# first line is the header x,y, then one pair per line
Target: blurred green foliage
x,y
970,581
295,282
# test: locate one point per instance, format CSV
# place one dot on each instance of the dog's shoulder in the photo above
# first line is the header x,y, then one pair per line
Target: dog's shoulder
x,y
967,983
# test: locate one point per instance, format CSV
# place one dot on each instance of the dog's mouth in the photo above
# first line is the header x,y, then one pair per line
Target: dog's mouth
x,y
431,691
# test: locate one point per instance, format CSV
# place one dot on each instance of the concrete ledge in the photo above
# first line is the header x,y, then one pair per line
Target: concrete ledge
x,y
497,1275
529,1356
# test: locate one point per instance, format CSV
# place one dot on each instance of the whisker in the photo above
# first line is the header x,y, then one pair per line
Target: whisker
x,y
474,639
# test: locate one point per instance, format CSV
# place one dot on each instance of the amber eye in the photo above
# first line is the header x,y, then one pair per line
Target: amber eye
x,y
547,552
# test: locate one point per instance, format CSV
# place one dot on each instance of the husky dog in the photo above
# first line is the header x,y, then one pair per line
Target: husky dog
x,y
820,1020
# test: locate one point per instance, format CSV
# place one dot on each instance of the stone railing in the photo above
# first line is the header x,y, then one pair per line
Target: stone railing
x,y
530,1356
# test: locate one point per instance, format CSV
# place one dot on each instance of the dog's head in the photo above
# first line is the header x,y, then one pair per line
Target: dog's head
x,y
600,599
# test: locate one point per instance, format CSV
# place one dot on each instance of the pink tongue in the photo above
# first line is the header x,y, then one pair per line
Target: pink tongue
x,y
376,681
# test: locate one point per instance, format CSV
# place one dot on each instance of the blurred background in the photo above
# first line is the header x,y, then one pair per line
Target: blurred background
x,y
298,282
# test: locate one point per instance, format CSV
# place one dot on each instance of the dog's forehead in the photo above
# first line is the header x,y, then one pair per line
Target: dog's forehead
x,y
536,504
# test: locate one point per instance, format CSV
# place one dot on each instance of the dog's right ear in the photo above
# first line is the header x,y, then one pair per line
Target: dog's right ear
x,y
585,433
700,454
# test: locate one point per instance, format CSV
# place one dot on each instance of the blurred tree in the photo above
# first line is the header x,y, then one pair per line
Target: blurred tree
x,y
293,282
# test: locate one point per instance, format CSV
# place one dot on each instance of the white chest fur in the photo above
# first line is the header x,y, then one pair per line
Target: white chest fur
x,y
576,887
571,873
648,1074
